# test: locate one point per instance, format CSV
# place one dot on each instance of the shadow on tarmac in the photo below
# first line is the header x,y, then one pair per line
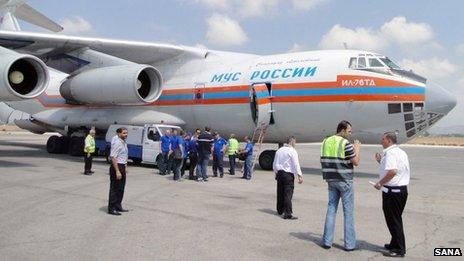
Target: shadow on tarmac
x,y
317,239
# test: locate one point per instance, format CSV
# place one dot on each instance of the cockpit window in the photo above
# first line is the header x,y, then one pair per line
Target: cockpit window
x,y
353,63
361,62
390,64
373,62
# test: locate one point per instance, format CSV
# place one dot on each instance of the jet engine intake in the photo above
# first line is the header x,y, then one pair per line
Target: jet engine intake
x,y
22,76
131,84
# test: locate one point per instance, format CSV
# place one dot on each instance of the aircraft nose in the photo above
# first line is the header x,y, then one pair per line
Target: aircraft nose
x,y
439,100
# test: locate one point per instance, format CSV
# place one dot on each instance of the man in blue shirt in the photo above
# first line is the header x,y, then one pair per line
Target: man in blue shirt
x,y
193,154
219,147
165,151
248,150
177,155
186,141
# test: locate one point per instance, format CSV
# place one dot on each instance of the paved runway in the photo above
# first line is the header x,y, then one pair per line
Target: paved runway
x,y
50,211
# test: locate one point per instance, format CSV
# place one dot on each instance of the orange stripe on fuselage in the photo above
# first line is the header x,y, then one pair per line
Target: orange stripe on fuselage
x,y
341,98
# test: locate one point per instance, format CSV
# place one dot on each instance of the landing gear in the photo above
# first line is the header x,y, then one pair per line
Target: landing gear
x,y
54,145
266,158
74,146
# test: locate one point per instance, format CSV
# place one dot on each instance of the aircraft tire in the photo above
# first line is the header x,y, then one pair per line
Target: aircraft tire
x,y
266,158
76,146
64,144
54,144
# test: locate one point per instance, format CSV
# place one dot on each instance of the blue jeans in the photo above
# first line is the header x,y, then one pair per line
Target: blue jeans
x,y
178,163
248,165
345,191
202,167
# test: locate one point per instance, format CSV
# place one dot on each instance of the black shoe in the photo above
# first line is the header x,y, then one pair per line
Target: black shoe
x,y
290,217
388,247
280,213
91,172
222,176
114,212
87,173
326,246
393,254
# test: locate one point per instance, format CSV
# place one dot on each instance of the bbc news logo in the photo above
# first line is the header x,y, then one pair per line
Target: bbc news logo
x,y
447,251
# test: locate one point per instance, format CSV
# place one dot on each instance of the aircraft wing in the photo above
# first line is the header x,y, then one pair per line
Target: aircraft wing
x,y
53,45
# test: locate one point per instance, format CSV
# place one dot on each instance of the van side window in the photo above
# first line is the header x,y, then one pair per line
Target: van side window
x,y
153,135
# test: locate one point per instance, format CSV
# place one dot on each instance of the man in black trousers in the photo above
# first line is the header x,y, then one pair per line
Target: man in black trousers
x,y
394,178
286,165
118,171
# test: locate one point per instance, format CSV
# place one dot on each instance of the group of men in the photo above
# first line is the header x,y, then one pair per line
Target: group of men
x,y
338,158
178,147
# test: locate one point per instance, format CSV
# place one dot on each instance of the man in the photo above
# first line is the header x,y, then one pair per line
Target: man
x,y
394,176
118,171
248,151
219,147
177,155
193,154
286,166
205,140
232,151
89,150
165,153
186,141
338,156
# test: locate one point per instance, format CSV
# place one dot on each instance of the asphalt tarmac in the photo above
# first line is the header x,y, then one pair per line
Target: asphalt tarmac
x,y
50,211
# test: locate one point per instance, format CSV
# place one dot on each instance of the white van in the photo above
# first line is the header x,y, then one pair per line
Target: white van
x,y
143,142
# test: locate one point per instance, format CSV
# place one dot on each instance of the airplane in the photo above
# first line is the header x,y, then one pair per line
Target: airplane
x,y
69,84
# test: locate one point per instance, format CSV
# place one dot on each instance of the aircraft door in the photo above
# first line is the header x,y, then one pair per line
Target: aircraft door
x,y
151,144
260,104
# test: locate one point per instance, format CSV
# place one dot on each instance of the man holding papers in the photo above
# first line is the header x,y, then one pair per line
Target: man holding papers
x,y
394,178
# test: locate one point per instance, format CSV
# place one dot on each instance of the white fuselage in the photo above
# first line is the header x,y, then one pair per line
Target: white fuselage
x,y
308,94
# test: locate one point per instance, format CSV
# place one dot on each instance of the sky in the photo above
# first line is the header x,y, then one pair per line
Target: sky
x,y
425,36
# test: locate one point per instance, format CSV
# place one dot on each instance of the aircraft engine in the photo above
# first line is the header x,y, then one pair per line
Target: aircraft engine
x,y
22,76
131,84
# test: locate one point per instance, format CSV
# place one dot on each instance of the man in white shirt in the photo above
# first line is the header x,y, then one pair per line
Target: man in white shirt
x,y
394,176
286,166
118,171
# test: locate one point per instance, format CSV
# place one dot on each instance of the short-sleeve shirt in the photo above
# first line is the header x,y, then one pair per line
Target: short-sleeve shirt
x,y
349,151
205,140
394,158
175,141
219,145
165,142
192,145
119,150
249,149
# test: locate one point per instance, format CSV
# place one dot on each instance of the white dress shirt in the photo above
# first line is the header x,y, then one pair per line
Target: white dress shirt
x,y
286,159
119,150
394,158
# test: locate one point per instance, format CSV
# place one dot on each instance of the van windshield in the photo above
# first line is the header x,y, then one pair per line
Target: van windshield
x,y
164,129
